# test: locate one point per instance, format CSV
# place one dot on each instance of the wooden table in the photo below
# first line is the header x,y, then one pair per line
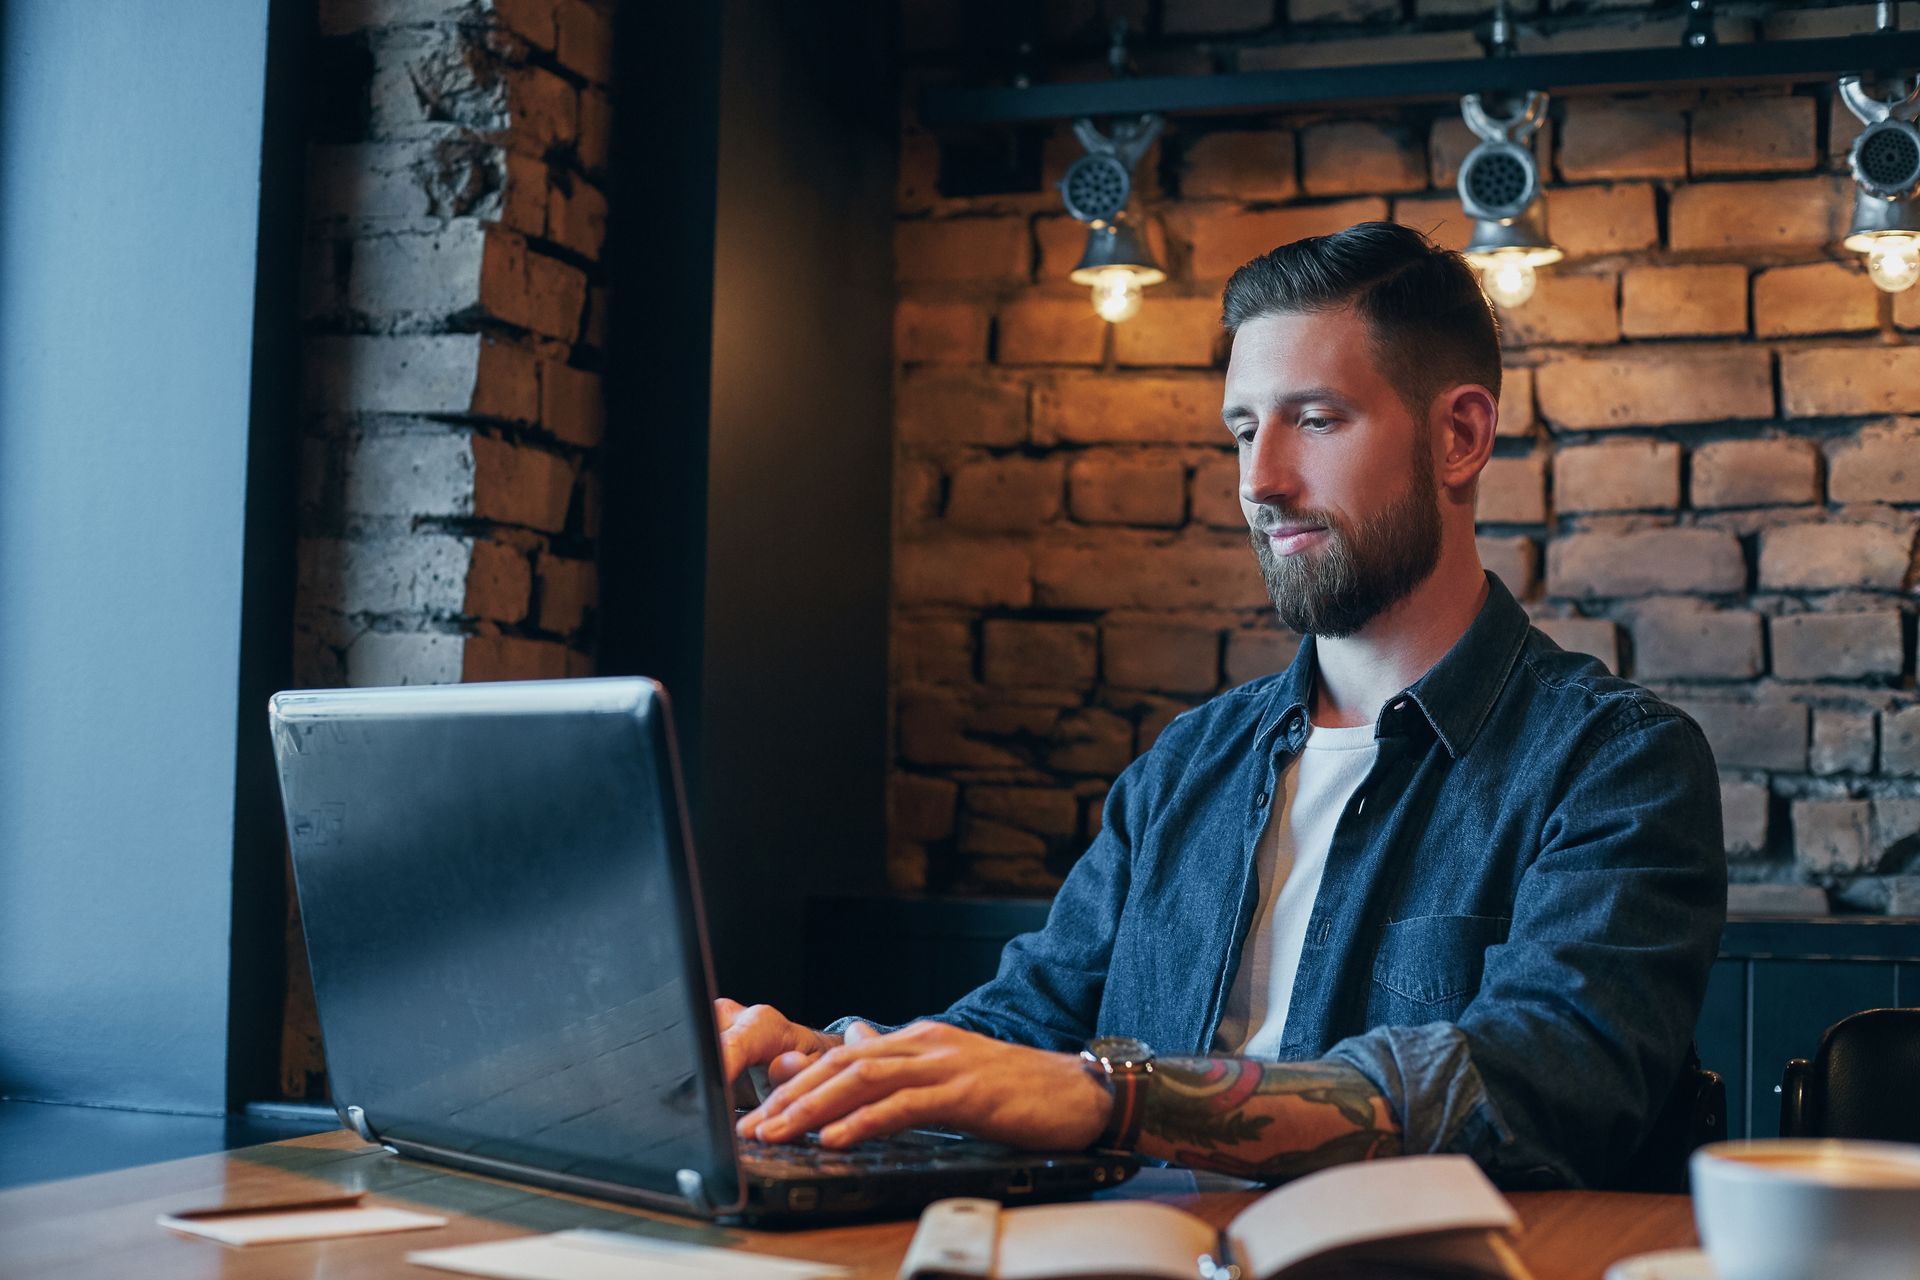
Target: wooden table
x,y
104,1225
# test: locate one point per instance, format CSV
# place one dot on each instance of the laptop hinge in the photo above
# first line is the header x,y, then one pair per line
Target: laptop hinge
x,y
356,1119
694,1188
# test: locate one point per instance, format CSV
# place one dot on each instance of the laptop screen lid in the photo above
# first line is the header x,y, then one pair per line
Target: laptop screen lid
x,y
502,918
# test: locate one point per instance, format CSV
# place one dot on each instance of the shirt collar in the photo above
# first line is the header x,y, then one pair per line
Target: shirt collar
x,y
1454,697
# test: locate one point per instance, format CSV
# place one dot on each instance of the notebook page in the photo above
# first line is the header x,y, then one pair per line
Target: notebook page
x,y
244,1228
1140,1238
1352,1204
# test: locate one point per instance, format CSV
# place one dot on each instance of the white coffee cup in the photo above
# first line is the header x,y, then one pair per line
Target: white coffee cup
x,y
1809,1209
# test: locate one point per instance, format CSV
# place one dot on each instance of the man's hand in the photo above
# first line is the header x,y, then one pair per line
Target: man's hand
x,y
761,1036
932,1074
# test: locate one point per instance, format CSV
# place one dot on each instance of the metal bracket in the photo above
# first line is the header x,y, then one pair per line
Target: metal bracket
x,y
1129,141
693,1189
1516,127
1872,110
357,1121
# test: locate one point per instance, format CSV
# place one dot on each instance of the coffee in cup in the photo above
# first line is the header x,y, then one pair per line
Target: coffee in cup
x,y
1809,1209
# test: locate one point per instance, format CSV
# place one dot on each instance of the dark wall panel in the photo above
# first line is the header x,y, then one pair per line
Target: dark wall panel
x,y
130,143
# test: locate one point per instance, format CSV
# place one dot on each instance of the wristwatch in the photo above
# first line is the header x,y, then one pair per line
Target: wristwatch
x,y
1125,1065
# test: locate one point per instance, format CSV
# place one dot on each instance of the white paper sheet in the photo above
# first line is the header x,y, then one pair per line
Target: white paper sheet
x,y
244,1228
610,1255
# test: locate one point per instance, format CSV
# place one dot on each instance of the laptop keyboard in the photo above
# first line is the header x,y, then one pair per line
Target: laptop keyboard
x,y
915,1150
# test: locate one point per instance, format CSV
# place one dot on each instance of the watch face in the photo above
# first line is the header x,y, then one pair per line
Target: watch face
x,y
1120,1050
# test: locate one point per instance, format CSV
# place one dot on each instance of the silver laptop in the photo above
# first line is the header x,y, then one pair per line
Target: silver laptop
x,y
502,916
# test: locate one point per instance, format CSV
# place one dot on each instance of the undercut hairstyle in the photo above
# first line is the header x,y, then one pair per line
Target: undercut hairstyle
x,y
1431,327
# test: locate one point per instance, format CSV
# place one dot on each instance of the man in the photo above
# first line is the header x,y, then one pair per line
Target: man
x,y
1439,886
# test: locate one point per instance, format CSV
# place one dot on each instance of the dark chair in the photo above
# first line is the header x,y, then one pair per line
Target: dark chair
x,y
1694,1115
1863,1082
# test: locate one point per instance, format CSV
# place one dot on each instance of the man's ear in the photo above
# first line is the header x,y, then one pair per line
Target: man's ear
x,y
1465,418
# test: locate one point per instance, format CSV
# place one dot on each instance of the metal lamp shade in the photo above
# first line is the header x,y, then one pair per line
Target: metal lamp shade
x,y
1874,217
1525,234
1117,244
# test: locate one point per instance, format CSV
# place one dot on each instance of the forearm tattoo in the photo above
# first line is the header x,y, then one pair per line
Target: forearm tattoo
x,y
1267,1120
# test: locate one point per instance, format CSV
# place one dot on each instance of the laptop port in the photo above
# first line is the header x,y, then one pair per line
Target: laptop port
x,y
1021,1184
802,1199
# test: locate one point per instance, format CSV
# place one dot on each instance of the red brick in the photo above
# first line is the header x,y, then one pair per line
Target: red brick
x,y
1359,157
1224,239
962,572
1144,490
1843,740
1657,389
1769,733
1781,213
1448,142
932,649
1439,218
1900,741
1513,560
1590,221
957,249
939,407
1595,637
1252,654
1756,473
1171,331
1517,417
1241,165
1645,562
1601,138
1175,575
1513,490
1821,297
919,807
1906,309
1754,135
572,405
1188,17
1837,646
1831,837
1154,656
568,589
1050,655
496,657
1046,811
1565,308
1005,494
1682,638
1850,380
1093,741
1664,302
1621,475
1881,464
1833,555
499,582
515,484
939,731
1216,495
939,332
1051,331
1134,409
1744,816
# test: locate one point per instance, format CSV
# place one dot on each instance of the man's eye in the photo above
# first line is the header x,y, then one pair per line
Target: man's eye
x,y
1244,435
1313,423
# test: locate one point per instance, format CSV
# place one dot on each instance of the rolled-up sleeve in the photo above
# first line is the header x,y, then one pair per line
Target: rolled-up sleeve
x,y
1555,1071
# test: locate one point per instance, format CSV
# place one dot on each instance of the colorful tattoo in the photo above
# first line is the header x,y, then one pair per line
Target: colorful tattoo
x,y
1267,1120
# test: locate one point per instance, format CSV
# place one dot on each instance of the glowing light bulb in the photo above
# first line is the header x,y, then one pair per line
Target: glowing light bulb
x,y
1116,294
1508,280
1893,263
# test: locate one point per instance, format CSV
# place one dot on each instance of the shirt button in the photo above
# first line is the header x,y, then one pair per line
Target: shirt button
x,y
1260,800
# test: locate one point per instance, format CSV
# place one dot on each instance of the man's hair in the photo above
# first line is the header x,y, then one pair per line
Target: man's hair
x,y
1431,327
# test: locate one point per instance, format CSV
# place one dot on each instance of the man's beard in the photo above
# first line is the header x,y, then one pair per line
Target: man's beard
x,y
1363,568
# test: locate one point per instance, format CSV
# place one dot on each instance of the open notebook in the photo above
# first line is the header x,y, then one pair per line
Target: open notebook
x,y
1413,1216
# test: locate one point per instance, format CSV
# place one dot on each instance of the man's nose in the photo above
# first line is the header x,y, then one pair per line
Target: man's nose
x,y
1269,475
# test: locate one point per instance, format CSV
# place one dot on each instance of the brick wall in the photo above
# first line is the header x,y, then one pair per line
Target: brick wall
x,y
1707,472
455,315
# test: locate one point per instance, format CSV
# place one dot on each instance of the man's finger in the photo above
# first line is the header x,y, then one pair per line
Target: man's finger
x,y
863,1082
823,1068
897,1112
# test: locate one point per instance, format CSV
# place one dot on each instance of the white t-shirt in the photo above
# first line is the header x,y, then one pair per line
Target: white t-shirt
x,y
1289,861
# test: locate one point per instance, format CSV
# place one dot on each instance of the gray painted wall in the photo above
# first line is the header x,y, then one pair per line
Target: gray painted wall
x,y
130,140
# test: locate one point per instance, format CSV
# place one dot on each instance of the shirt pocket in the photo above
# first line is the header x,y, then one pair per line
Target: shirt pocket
x,y
1427,968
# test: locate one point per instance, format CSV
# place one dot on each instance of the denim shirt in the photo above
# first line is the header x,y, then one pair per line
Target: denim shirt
x,y
1520,906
